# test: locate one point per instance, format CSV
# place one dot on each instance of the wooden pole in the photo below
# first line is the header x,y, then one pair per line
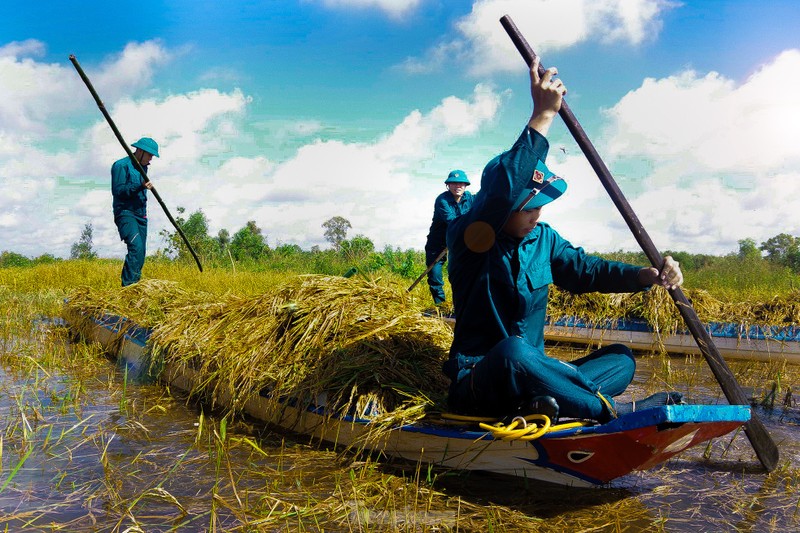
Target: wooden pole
x,y
438,258
136,163
762,442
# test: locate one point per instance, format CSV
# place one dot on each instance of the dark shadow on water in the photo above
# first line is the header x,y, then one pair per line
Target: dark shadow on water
x,y
530,497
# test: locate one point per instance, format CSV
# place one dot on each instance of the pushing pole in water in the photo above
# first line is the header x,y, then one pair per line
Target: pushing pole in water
x,y
759,437
136,162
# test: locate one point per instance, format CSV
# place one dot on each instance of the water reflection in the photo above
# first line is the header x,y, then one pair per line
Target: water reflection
x,y
103,453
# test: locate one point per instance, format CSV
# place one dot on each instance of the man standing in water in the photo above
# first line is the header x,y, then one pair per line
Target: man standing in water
x,y
129,190
449,205
502,261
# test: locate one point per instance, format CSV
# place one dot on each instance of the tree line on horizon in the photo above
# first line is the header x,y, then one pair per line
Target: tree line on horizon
x,y
249,247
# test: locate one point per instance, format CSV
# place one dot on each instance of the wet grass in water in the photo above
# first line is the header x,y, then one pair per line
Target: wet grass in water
x,y
84,449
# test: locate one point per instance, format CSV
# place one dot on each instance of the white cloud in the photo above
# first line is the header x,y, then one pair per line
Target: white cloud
x,y
368,183
394,8
711,123
709,127
26,48
304,128
33,94
187,128
94,204
547,25
435,58
418,133
8,220
715,162
129,71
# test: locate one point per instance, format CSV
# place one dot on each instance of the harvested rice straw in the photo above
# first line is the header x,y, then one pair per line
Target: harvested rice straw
x,y
360,342
660,312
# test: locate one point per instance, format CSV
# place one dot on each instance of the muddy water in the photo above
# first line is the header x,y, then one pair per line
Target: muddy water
x,y
86,450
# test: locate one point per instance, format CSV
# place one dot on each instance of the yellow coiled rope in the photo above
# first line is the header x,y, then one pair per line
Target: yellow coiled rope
x,y
526,428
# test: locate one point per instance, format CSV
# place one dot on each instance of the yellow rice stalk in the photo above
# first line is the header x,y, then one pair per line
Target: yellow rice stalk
x,y
360,342
660,312
146,303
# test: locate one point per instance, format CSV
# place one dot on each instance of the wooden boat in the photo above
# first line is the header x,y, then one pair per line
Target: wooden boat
x,y
734,341
581,456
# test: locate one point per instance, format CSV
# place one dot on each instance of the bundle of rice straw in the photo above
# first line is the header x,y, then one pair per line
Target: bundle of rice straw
x,y
359,342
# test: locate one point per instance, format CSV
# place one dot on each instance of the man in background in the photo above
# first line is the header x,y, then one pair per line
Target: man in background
x,y
129,190
449,205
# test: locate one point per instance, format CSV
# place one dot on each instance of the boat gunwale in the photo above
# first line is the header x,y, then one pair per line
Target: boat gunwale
x,y
668,414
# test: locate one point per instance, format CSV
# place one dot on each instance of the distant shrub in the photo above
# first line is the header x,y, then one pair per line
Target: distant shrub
x,y
12,259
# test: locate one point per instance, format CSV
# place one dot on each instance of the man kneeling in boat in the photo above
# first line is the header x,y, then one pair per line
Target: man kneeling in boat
x,y
502,260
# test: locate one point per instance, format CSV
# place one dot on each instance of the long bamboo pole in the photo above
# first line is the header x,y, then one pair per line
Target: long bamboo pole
x,y
138,165
438,258
762,442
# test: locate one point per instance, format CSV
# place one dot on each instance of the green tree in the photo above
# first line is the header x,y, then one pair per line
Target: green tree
x,y
748,249
45,259
402,262
13,259
82,249
783,249
223,239
288,250
336,231
248,243
356,249
195,228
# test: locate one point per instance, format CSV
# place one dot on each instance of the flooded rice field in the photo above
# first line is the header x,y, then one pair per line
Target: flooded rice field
x,y
83,448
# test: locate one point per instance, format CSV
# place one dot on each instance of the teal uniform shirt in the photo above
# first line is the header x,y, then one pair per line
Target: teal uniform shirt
x,y
445,210
130,216
127,188
503,292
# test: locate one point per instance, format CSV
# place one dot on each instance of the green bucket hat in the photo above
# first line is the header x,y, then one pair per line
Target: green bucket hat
x,y
457,176
148,145
543,189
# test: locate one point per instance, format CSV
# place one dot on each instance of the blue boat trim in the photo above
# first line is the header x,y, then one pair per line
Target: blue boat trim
x,y
668,414
133,333
715,329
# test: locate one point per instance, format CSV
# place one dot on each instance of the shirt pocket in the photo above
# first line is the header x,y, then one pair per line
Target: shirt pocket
x,y
538,277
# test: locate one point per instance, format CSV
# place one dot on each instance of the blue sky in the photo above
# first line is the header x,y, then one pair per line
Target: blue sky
x,y
291,112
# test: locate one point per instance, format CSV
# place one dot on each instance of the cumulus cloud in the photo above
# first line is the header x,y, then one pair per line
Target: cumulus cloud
x,y
712,160
547,24
394,8
33,94
186,126
416,135
131,70
712,122
26,48
369,183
